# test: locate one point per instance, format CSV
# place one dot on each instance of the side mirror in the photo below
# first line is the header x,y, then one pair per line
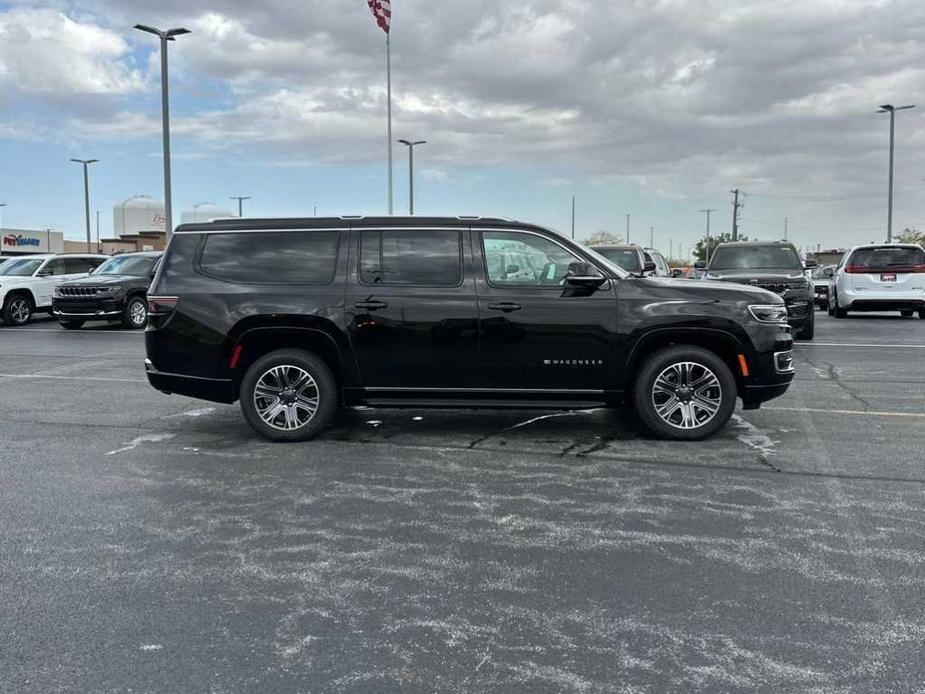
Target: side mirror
x,y
584,275
810,264
828,272
677,272
701,265
649,266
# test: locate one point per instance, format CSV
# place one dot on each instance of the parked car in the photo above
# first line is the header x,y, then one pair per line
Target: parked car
x,y
879,277
28,282
628,257
295,318
775,266
820,278
117,290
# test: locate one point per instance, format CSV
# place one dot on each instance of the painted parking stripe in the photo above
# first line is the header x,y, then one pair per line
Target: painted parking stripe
x,y
62,331
75,378
870,413
854,344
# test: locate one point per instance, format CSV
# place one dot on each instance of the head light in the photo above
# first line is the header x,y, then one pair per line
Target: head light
x,y
116,291
770,313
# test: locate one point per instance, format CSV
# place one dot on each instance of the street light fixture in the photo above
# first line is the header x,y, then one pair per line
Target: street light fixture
x,y
411,145
165,36
86,164
240,199
889,108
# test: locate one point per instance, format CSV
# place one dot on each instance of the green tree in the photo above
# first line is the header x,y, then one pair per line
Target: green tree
x,y
700,250
602,237
912,236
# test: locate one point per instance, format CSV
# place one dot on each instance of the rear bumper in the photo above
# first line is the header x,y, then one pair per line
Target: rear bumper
x,y
893,303
211,389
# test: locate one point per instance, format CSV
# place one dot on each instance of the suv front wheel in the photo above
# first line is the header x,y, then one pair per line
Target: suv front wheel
x,y
289,395
17,309
685,393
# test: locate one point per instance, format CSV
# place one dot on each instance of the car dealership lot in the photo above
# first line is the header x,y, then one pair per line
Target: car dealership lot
x,y
154,543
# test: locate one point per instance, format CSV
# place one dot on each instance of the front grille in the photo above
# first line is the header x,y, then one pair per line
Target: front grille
x,y
79,291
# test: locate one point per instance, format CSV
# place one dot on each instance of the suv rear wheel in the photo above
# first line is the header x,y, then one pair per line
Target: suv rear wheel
x,y
17,309
289,395
837,310
685,393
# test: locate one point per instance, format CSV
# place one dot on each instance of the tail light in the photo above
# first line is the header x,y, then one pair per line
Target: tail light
x,y
856,269
861,269
161,305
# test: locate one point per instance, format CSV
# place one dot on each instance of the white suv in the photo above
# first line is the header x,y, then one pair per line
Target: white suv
x,y
28,282
879,277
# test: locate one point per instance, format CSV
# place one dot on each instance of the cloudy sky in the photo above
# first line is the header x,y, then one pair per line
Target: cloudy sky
x,y
655,108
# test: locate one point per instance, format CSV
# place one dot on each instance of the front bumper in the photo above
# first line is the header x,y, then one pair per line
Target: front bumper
x,y
87,309
770,375
800,309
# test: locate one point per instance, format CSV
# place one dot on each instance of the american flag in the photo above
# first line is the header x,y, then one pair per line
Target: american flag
x,y
382,11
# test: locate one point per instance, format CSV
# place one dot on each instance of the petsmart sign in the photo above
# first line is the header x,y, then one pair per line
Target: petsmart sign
x,y
26,241
20,242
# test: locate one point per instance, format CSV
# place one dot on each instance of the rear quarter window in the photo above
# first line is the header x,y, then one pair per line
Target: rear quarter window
x,y
291,257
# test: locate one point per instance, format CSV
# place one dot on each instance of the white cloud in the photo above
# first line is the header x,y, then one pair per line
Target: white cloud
x,y
45,51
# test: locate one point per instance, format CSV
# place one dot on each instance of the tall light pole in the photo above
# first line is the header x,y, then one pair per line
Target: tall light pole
x,y
86,164
651,237
2,205
411,145
627,228
708,213
98,249
165,36
240,199
573,218
889,108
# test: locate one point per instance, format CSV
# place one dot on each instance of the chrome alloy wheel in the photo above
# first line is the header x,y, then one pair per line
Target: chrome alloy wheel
x,y
19,310
687,395
286,397
138,313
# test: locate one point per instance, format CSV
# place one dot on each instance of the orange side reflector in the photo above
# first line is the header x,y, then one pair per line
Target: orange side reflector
x,y
743,365
235,356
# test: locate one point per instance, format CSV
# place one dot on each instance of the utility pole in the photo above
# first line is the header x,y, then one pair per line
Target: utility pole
x,y
735,214
573,218
889,108
240,199
411,145
627,228
97,231
785,228
670,249
86,163
651,237
707,253
165,36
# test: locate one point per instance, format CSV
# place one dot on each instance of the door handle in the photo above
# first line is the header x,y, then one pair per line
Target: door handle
x,y
371,305
506,306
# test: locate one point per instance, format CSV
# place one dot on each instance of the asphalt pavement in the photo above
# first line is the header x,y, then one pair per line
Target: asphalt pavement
x,y
152,543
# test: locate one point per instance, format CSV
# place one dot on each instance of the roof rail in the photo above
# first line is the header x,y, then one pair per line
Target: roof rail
x,y
352,216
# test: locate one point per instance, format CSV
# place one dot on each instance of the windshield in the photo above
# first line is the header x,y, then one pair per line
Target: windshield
x,y
756,257
626,257
24,267
139,266
888,258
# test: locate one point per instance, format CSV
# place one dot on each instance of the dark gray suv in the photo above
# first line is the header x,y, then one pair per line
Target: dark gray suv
x,y
771,265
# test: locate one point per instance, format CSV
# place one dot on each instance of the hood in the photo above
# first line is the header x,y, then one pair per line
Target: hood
x,y
708,291
102,280
746,276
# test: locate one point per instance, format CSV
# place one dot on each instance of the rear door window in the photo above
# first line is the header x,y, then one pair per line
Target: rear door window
x,y
76,266
268,257
411,257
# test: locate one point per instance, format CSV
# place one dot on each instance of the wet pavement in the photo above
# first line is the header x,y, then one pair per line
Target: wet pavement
x,y
152,543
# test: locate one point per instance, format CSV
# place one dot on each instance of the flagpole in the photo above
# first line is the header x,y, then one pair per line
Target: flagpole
x,y
388,62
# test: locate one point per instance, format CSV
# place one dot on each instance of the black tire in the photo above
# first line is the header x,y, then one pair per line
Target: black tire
x,y
660,364
17,310
135,313
808,331
907,314
324,389
71,324
837,310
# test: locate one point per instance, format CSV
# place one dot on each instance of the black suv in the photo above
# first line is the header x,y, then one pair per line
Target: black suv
x,y
117,290
775,266
296,317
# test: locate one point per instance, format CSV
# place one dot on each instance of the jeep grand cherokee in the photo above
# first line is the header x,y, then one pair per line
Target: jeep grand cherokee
x,y
296,317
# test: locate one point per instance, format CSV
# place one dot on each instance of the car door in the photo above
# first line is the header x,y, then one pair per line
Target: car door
x,y
537,334
50,275
411,309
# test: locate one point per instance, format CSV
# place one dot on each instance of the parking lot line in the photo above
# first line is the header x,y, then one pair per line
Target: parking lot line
x,y
60,331
76,378
869,413
854,344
